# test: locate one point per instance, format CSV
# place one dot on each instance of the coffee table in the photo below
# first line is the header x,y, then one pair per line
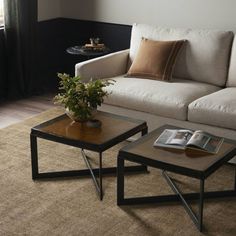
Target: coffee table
x,y
62,129
192,163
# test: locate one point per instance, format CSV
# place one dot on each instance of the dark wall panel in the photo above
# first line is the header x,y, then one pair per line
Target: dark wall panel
x,y
115,36
54,36
51,53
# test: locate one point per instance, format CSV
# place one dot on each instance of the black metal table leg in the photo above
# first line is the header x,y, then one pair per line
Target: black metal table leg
x,y
120,180
144,131
99,172
200,196
100,175
178,193
235,178
98,183
97,186
197,219
34,156
201,201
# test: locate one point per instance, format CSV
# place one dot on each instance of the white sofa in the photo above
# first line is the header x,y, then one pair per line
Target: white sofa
x,y
201,94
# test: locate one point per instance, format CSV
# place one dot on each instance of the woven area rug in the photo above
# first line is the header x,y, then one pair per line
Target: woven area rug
x,y
71,206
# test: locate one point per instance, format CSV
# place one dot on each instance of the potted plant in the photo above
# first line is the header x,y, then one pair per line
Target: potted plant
x,y
80,99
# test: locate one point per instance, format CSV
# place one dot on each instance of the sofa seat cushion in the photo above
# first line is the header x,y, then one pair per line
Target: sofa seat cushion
x,y
218,109
168,99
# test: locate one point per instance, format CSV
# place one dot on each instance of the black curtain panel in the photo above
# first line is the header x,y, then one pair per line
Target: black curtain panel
x,y
3,75
20,40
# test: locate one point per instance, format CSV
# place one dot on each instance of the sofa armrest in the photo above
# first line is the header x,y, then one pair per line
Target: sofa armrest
x,y
106,66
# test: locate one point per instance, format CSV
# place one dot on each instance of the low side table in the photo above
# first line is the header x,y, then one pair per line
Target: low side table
x,y
62,129
78,50
192,163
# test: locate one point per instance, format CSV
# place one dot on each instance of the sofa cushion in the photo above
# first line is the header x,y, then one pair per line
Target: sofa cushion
x,y
218,109
204,57
157,97
155,59
231,82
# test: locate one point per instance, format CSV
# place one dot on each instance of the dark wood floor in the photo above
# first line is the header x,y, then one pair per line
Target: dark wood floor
x,y
15,111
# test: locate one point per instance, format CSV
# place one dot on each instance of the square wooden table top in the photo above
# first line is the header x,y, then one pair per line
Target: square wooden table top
x,y
114,129
190,162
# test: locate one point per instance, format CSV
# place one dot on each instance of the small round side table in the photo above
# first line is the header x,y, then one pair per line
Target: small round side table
x,y
79,50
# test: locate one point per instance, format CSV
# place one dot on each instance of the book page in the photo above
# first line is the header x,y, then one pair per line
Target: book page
x,y
213,145
199,139
165,135
180,137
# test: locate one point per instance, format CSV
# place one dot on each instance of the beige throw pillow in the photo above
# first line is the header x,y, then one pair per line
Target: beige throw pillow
x,y
155,59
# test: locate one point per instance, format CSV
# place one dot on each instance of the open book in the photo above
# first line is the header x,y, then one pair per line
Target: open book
x,y
182,139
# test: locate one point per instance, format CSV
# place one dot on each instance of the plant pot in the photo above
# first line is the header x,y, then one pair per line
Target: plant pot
x,y
94,123
72,115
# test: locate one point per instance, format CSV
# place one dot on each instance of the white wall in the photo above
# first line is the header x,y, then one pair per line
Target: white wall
x,y
48,9
218,14
80,9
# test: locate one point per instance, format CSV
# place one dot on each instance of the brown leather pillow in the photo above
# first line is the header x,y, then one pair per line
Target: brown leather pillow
x,y
155,59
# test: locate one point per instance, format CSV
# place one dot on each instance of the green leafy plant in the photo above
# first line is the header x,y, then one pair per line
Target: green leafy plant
x,y
80,99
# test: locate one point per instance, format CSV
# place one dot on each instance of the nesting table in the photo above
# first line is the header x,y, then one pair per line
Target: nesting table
x,y
62,129
192,163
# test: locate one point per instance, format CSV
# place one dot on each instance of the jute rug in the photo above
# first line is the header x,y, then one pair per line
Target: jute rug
x,y
71,206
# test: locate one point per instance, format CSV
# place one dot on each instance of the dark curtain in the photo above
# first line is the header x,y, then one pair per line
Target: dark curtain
x,y
3,75
20,40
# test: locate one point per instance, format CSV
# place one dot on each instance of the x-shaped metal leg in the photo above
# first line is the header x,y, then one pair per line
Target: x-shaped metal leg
x,y
100,171
197,219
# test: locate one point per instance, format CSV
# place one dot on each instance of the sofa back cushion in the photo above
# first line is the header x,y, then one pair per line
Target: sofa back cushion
x,y
232,67
204,57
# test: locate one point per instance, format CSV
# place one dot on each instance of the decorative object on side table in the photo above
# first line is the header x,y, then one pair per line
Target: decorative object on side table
x,y
81,99
94,41
90,50
94,45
